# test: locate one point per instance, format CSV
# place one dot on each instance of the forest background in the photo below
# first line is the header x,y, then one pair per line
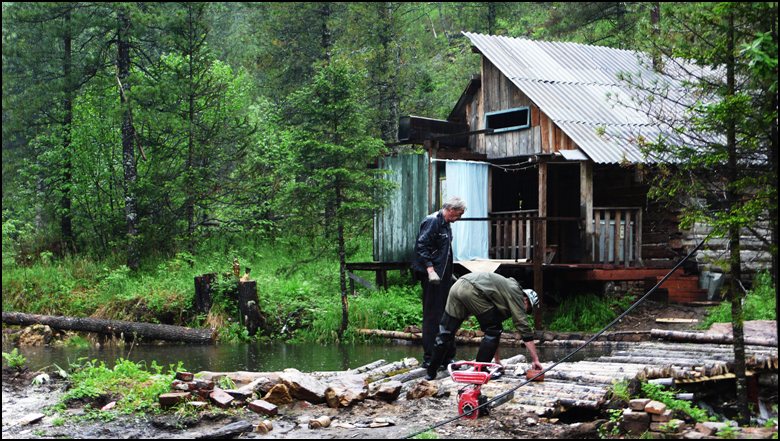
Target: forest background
x,y
147,143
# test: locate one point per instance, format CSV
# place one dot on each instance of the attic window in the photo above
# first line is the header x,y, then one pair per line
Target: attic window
x,y
506,120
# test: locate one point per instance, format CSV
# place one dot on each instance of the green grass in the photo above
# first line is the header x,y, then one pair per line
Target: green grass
x,y
132,385
759,304
585,313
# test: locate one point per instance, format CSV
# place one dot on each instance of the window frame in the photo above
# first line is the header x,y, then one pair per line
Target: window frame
x,y
511,128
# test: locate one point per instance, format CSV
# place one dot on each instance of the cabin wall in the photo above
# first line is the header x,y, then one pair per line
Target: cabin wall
x,y
499,93
397,225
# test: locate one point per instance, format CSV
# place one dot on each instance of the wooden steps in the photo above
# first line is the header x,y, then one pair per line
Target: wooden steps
x,y
676,289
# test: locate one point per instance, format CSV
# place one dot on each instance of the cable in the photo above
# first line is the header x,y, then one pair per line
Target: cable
x,y
620,317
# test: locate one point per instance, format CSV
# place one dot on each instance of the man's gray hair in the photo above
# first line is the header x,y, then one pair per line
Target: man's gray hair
x,y
454,203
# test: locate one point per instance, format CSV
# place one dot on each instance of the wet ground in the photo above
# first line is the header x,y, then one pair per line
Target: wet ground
x,y
21,399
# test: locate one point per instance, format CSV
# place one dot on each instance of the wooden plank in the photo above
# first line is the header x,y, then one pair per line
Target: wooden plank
x,y
675,320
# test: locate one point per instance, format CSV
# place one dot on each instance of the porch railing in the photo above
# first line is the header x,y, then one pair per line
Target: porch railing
x,y
616,236
511,234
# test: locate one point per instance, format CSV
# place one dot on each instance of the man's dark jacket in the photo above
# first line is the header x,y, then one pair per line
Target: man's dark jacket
x,y
434,245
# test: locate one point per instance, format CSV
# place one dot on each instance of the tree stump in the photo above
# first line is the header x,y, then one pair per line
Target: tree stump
x,y
248,305
203,292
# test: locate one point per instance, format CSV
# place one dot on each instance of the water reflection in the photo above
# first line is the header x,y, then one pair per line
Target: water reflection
x,y
269,357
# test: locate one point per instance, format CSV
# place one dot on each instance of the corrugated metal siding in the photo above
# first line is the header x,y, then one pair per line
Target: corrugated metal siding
x,y
571,83
395,229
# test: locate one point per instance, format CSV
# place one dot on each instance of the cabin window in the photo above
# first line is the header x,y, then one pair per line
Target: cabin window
x,y
506,120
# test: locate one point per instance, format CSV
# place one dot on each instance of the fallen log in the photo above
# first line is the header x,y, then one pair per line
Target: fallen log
x,y
709,337
117,328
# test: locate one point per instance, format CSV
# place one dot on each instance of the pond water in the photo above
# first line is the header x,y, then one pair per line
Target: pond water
x,y
268,357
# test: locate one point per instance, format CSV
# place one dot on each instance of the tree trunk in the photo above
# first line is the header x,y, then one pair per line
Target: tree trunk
x,y
342,277
116,328
128,152
733,197
66,223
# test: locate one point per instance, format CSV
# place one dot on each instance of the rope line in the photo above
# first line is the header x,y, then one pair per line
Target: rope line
x,y
620,317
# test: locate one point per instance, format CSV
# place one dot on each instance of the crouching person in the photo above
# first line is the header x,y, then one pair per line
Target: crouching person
x,y
491,299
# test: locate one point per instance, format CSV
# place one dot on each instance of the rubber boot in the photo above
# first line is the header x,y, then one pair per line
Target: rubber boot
x,y
436,359
445,344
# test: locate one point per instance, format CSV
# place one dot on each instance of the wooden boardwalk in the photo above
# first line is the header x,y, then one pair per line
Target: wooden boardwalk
x,y
585,384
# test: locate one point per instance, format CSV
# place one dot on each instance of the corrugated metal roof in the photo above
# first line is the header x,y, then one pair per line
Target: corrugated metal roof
x,y
576,85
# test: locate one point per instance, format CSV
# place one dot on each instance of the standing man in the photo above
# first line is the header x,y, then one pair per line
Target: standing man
x,y
433,262
491,298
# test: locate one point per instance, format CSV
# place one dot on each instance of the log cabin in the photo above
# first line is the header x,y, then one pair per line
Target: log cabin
x,y
546,161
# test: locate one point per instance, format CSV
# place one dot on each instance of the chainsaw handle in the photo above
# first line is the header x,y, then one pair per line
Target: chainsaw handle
x,y
477,365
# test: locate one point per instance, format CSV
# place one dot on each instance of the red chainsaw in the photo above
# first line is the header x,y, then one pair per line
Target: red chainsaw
x,y
469,396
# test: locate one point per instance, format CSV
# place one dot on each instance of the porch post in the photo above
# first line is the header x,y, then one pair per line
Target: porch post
x,y
586,206
540,243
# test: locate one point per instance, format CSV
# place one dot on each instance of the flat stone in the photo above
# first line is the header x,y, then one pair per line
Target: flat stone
x,y
242,395
655,407
672,426
633,428
264,407
183,385
173,398
662,417
185,376
638,404
709,428
220,398
31,419
302,386
633,416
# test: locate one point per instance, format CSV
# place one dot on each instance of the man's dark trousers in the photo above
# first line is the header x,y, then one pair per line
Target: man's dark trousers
x,y
434,300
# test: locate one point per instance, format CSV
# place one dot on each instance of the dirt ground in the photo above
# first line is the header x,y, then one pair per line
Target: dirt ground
x,y
20,399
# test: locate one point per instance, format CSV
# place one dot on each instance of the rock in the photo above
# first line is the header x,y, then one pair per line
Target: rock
x,y
630,415
673,426
655,407
581,430
422,389
633,428
346,390
173,398
220,398
302,386
278,395
662,417
388,392
257,386
638,404
31,419
185,376
264,407
242,395
709,428
229,431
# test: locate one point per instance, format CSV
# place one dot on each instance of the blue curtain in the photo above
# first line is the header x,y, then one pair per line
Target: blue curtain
x,y
468,180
